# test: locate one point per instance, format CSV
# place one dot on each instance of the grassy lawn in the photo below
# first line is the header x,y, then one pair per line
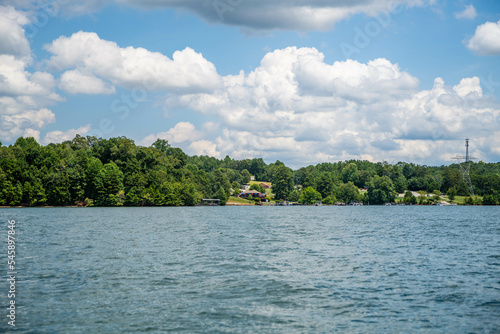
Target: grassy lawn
x,y
259,182
268,191
458,199
237,200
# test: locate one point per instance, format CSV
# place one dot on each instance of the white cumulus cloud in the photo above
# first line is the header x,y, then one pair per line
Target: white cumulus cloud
x,y
24,95
486,40
60,136
304,110
294,106
26,123
469,86
76,82
204,147
12,38
181,132
15,80
468,13
133,67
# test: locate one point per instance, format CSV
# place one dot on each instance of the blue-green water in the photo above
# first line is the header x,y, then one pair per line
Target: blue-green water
x,y
255,269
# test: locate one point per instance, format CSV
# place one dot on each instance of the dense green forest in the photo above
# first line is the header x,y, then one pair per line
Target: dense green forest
x,y
115,172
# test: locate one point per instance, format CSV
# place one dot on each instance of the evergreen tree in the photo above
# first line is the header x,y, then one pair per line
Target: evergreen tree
x,y
400,184
282,181
452,192
245,176
325,184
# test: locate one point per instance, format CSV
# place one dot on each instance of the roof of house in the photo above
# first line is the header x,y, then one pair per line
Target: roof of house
x,y
250,192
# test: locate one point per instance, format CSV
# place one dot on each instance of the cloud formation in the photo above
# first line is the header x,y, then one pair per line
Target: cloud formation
x,y
182,132
60,136
77,82
486,40
204,147
294,105
304,15
128,67
468,13
24,95
12,39
27,123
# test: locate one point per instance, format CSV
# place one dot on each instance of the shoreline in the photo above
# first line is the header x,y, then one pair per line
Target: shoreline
x,y
193,206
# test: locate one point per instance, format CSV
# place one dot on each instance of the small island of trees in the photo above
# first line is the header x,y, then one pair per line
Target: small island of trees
x,y
90,171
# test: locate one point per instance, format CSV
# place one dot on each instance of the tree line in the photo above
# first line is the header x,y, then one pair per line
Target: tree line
x,y
116,171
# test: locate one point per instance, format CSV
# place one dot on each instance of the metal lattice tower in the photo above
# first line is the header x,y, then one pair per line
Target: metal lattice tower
x,y
466,150
464,163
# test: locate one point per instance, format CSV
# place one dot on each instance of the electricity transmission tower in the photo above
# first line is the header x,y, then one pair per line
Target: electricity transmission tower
x,y
464,163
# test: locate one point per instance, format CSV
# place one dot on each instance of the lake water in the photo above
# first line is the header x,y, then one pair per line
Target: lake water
x,y
255,270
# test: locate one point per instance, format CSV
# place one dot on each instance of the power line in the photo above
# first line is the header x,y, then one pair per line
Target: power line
x,y
465,162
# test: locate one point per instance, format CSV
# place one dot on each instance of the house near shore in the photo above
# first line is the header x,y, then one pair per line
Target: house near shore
x,y
252,193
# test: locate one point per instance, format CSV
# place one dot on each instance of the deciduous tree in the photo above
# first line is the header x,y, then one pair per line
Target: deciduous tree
x,y
109,182
381,190
282,181
310,196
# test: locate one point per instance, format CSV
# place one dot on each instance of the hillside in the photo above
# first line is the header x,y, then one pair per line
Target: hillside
x,y
115,172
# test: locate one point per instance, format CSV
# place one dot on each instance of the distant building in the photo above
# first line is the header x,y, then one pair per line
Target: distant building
x,y
252,178
265,186
252,193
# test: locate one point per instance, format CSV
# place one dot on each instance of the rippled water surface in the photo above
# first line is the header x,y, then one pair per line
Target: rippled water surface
x,y
255,269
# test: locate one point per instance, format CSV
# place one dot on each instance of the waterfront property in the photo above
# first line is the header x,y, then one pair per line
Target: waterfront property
x,y
252,193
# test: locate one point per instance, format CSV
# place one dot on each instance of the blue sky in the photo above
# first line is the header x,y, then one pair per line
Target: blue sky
x,y
306,82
